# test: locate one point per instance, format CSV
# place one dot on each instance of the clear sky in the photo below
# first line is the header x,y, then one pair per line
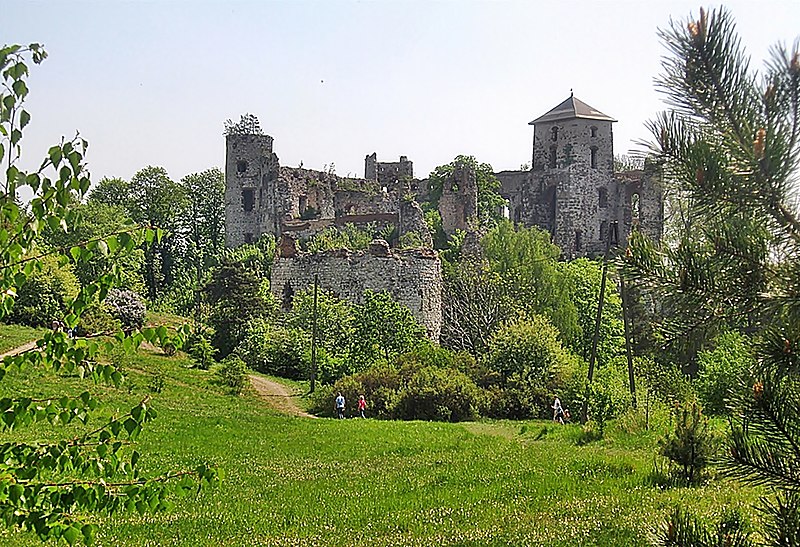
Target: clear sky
x,y
151,83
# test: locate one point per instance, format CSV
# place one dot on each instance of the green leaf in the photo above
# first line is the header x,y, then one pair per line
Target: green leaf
x,y
55,155
24,119
20,88
71,534
130,426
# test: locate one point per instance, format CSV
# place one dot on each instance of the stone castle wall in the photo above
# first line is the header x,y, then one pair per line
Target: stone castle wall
x,y
413,278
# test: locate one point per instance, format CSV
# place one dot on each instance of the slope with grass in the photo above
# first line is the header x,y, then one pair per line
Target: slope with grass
x,y
296,481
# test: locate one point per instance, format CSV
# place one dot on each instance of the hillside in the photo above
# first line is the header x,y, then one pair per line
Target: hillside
x,y
296,481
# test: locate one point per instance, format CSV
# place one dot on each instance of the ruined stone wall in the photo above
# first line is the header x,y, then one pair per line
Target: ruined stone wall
x,y
251,170
388,173
352,202
458,205
413,278
642,205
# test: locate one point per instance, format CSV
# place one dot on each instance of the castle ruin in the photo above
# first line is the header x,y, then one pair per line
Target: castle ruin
x,y
571,190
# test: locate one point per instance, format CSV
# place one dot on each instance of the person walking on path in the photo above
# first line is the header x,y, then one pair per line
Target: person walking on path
x,y
362,406
558,412
339,406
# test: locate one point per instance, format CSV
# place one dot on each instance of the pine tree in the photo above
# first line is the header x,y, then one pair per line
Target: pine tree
x,y
729,149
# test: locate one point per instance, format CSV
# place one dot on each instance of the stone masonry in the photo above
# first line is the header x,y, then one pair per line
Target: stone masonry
x,y
412,277
571,190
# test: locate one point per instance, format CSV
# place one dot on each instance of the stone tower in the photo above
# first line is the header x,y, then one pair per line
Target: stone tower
x,y
573,173
251,177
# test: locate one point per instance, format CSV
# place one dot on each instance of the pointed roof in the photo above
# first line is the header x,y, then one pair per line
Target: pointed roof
x,y
572,108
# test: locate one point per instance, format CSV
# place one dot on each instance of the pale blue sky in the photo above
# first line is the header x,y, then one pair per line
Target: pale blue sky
x,y
151,83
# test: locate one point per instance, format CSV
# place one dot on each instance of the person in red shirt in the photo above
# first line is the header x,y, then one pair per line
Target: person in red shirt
x,y
362,405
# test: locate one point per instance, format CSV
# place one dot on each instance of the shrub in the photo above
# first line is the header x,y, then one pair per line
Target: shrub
x,y
157,383
409,389
438,394
126,306
275,350
97,319
233,374
721,369
608,395
530,366
41,298
202,352
690,446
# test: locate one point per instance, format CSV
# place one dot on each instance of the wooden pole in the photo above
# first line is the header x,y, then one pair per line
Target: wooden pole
x,y
628,350
314,338
601,299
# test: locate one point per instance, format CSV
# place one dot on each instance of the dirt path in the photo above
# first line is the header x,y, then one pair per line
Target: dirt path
x,y
21,349
277,396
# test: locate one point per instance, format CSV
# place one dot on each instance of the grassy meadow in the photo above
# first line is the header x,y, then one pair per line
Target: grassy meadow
x,y
299,481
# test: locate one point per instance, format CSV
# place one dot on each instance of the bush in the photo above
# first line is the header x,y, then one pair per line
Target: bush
x,y
721,370
420,385
608,394
126,306
201,352
233,374
438,394
690,446
530,365
97,319
40,300
275,350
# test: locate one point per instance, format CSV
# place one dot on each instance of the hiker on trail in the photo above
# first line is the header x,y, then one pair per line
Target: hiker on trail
x,y
362,405
558,412
339,406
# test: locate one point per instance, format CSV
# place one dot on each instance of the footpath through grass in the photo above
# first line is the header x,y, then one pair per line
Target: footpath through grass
x,y
297,481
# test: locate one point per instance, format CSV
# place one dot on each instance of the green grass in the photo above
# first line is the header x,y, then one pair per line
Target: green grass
x,y
12,336
296,481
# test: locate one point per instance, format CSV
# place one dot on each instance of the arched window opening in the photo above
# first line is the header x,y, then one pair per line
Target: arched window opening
x,y
241,166
552,157
554,134
593,158
602,197
594,131
635,209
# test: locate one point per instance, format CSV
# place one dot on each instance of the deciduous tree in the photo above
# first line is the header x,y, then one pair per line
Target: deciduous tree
x,y
51,487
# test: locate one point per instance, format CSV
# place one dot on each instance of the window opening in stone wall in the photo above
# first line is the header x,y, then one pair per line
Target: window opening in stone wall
x,y
552,157
241,166
604,231
602,197
248,237
554,134
249,199
635,210
288,296
578,240
593,157
517,215
594,131
302,205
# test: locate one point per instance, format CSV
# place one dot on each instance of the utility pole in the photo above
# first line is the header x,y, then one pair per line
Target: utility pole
x,y
628,350
612,234
314,338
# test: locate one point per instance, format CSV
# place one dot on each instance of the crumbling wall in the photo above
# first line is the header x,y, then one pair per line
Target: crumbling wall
x,y
388,173
458,205
250,171
413,278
